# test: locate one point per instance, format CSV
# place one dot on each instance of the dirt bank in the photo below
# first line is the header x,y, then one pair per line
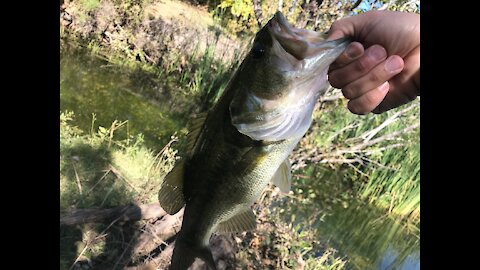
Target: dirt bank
x,y
155,32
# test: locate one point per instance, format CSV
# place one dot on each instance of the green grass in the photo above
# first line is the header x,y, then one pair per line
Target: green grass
x,y
97,170
385,175
89,5
105,166
379,154
198,75
282,242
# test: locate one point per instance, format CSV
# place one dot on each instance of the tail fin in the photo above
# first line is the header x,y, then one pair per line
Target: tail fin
x,y
184,255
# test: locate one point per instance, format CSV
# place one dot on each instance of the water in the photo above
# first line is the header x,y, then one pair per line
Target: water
x,y
361,232
90,85
370,239
364,235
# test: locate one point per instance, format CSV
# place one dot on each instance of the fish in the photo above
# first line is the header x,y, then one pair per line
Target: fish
x,y
242,144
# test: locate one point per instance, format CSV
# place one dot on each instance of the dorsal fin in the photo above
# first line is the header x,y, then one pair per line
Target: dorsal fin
x,y
195,127
170,195
243,221
283,177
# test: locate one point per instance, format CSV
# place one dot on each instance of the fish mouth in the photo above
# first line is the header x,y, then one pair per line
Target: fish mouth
x,y
301,59
302,43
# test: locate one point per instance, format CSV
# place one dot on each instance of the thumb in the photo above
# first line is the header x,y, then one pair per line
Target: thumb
x,y
341,28
347,27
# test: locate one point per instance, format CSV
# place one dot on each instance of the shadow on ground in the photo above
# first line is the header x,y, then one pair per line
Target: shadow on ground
x,y
93,246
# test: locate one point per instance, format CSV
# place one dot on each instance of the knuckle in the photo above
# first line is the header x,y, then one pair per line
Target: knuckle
x,y
349,92
369,99
335,25
373,56
363,64
374,77
333,80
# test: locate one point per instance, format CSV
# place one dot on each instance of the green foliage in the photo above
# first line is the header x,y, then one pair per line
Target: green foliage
x,y
324,210
131,10
237,16
206,77
240,8
378,153
395,5
137,96
396,188
68,131
281,242
89,5
350,192
405,6
98,170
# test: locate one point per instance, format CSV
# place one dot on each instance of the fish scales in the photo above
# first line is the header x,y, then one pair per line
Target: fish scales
x,y
245,140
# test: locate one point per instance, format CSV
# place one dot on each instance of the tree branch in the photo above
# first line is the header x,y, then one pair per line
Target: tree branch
x,y
292,8
125,213
257,10
356,4
371,133
156,234
331,98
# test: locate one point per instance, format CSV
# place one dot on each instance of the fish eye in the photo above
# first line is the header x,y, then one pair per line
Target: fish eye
x,y
258,50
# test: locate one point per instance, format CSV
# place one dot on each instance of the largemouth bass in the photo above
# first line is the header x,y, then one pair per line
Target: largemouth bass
x,y
244,141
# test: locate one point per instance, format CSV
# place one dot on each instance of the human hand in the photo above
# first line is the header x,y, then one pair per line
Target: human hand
x,y
386,74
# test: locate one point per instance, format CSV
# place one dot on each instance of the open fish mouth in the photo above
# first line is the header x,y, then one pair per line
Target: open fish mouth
x,y
279,104
301,43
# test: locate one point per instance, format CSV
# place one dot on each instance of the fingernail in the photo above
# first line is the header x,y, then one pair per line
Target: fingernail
x,y
377,52
384,87
393,64
353,52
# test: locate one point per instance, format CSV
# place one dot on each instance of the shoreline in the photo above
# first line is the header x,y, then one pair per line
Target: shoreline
x,y
157,34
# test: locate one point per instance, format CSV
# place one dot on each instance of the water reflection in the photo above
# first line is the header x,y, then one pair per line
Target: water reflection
x,y
89,85
366,236
370,239
390,261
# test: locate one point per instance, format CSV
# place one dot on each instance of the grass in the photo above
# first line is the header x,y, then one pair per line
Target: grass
x,y
280,242
379,154
112,93
346,164
99,171
199,76
384,175
196,69
89,5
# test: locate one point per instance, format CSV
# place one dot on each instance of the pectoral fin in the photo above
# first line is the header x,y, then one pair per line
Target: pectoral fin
x,y
171,193
195,127
283,177
243,221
